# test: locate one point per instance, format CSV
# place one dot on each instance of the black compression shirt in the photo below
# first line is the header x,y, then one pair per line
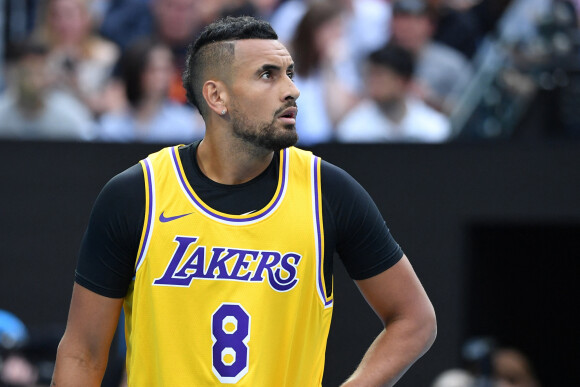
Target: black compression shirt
x,y
353,226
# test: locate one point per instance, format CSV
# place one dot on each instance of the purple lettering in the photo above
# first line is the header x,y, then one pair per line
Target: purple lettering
x,y
195,263
287,283
241,263
266,264
218,263
169,277
279,270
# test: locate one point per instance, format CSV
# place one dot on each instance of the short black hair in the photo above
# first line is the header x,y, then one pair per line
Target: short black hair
x,y
396,58
204,53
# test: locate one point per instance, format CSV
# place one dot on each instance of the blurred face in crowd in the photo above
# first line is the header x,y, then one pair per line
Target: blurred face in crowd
x,y
383,84
177,20
262,95
33,81
328,38
512,369
156,77
69,20
411,31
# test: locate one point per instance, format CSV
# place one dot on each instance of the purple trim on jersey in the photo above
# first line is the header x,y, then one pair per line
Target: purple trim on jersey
x,y
212,214
149,218
318,231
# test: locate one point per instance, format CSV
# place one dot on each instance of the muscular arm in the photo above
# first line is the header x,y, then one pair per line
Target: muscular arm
x,y
385,278
398,298
104,271
82,354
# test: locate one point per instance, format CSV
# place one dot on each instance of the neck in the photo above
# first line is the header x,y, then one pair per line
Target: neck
x,y
147,108
394,109
231,161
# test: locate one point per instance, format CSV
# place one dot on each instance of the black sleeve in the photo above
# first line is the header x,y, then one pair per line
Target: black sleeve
x,y
363,241
109,247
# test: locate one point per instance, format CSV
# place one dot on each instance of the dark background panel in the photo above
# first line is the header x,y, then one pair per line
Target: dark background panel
x,y
443,203
523,287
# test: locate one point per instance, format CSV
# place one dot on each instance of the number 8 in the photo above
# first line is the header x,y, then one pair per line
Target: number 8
x,y
230,333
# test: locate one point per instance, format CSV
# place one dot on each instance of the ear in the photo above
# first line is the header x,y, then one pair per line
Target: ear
x,y
215,95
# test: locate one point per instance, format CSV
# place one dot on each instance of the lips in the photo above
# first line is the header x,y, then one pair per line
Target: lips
x,y
289,113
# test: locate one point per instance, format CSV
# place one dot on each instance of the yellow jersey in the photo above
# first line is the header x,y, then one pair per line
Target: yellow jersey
x,y
229,299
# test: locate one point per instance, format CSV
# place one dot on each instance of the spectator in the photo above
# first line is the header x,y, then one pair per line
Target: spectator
x,y
149,115
458,25
15,370
174,22
286,18
367,22
32,109
487,364
442,73
513,369
82,60
125,21
324,73
389,113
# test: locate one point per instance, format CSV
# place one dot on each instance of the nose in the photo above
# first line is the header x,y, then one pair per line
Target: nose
x,y
291,91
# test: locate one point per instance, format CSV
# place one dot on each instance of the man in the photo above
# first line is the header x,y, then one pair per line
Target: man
x,y
390,113
442,73
221,250
31,108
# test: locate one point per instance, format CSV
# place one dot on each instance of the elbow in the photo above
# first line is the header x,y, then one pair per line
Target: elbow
x,y
432,331
428,328
422,329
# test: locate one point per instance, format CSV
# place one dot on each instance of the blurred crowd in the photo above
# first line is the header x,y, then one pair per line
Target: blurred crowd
x,y
488,363
368,70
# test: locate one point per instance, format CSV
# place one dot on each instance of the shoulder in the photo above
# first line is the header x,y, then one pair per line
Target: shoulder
x,y
361,237
183,115
116,127
338,186
332,176
124,187
122,197
363,123
364,109
431,123
9,114
443,54
104,51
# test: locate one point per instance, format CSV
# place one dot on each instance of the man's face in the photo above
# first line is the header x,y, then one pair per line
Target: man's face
x,y
156,77
262,95
384,84
69,20
411,31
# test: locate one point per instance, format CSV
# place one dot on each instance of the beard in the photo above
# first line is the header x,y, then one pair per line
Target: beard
x,y
265,135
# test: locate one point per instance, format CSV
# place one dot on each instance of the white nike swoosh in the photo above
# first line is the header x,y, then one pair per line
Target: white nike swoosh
x,y
249,212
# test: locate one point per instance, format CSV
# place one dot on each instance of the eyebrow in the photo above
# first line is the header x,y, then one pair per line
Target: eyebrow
x,y
271,67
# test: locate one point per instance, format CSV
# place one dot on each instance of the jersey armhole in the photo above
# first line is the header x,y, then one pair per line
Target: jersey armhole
x,y
324,288
149,212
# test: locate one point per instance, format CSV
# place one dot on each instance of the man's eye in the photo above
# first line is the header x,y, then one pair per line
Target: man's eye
x,y
266,75
291,75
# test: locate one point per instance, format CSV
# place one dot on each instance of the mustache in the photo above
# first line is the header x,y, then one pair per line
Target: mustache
x,y
286,106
